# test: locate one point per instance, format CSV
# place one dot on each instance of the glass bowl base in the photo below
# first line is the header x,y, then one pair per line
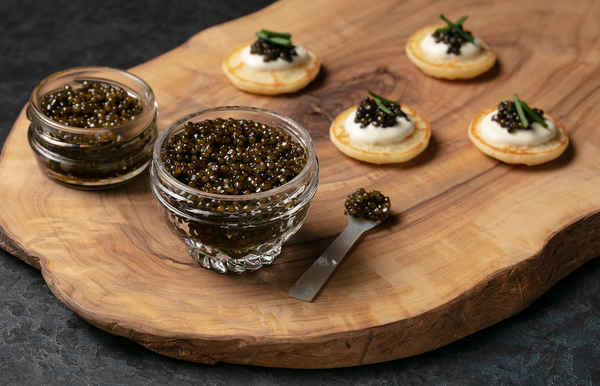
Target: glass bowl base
x,y
222,263
81,184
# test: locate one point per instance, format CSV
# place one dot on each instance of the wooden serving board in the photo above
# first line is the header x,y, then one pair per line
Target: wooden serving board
x,y
472,242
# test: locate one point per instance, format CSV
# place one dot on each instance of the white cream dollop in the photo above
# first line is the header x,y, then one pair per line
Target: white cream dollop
x,y
439,50
256,61
378,135
495,134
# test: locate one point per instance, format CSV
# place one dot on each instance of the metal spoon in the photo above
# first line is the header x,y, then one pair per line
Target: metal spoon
x,y
308,286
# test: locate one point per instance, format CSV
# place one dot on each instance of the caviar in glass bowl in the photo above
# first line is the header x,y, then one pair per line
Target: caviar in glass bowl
x,y
92,127
234,183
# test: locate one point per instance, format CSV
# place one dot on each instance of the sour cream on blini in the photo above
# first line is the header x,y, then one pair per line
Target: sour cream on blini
x,y
495,134
378,135
256,61
439,50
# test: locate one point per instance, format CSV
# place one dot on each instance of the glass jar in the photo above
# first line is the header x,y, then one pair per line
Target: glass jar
x,y
248,235
92,158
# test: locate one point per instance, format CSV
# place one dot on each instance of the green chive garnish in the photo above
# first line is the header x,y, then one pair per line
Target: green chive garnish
x,y
383,99
461,20
285,35
379,101
262,35
280,41
382,106
534,115
274,39
456,26
520,111
458,23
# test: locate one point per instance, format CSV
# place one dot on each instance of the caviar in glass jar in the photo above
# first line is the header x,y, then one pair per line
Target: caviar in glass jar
x,y
508,117
233,156
368,112
272,51
92,127
93,105
452,38
372,206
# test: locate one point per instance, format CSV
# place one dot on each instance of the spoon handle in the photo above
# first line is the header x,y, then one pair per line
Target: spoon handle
x,y
307,287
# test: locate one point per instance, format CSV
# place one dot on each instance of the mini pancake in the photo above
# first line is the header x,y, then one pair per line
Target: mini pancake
x,y
402,151
448,68
511,154
270,82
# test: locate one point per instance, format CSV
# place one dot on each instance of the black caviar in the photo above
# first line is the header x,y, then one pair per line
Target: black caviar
x,y
452,38
109,155
508,117
233,156
372,205
368,112
233,241
272,51
93,105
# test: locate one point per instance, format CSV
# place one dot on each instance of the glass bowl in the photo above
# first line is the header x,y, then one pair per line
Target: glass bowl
x,y
248,235
92,158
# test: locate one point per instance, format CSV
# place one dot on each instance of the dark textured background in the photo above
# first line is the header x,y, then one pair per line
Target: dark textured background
x,y
553,342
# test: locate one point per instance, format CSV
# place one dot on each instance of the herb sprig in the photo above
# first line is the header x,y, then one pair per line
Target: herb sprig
x,y
280,38
520,111
379,101
520,106
456,27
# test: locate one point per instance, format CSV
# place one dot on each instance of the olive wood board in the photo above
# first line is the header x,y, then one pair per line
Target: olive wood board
x,y
472,241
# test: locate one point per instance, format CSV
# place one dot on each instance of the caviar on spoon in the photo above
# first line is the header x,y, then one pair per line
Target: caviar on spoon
x,y
365,210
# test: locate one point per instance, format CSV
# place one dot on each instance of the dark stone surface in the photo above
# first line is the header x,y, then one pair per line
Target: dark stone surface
x,y
553,342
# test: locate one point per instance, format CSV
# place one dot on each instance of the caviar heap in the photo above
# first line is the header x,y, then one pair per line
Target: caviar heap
x,y
233,156
372,206
93,105
368,112
508,117
453,38
272,51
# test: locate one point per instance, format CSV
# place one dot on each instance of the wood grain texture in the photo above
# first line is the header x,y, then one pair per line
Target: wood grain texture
x,y
473,241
